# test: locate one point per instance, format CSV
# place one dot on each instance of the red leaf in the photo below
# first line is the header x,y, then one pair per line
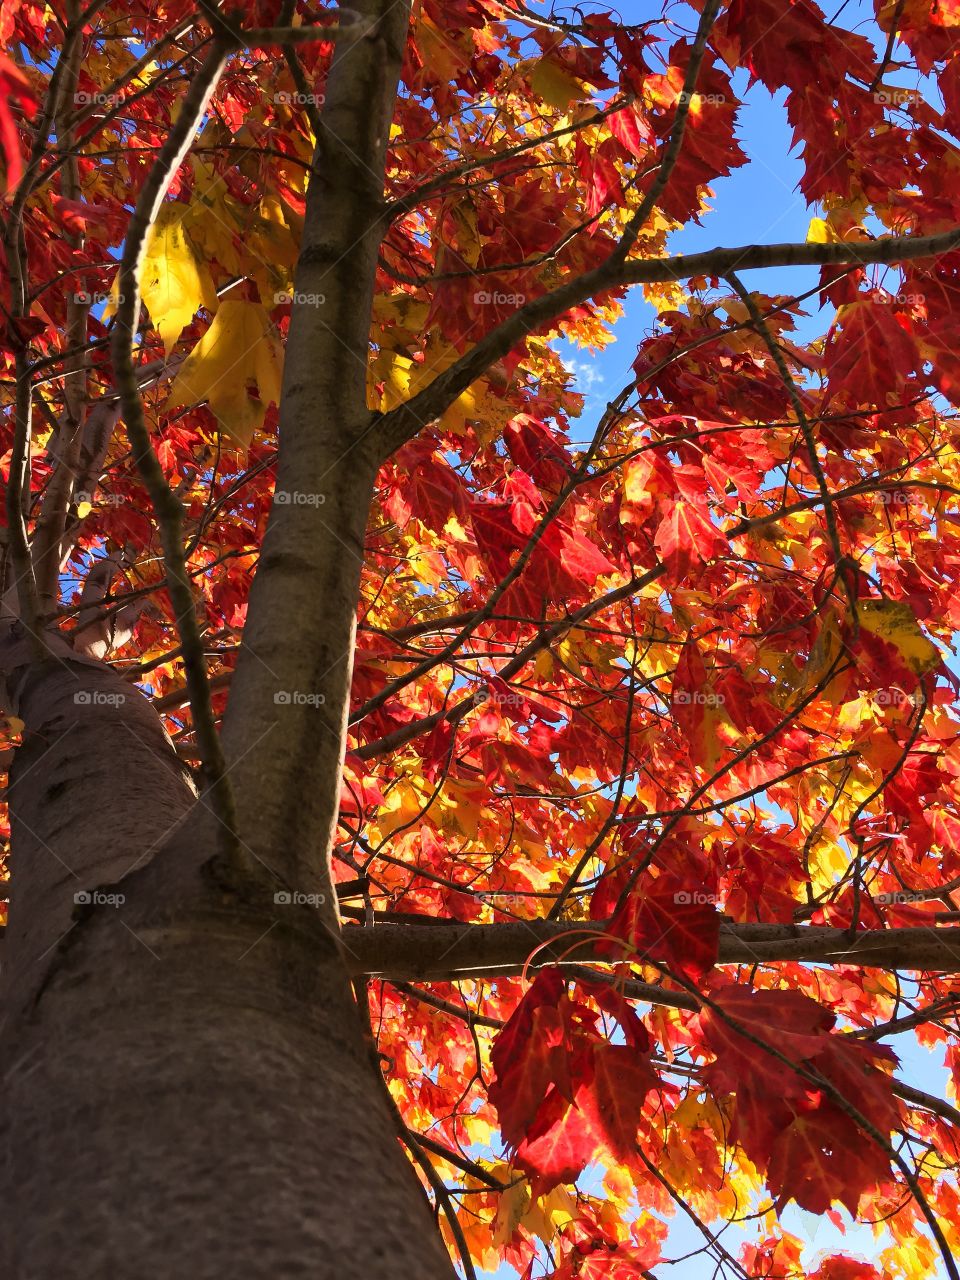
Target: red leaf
x,y
670,923
14,87
622,1080
872,355
559,1144
813,1150
685,537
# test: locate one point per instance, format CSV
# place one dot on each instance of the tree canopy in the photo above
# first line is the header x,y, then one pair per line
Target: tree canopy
x,y
648,837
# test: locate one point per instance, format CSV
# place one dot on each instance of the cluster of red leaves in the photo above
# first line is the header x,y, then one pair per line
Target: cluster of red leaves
x,y
813,1110
562,1090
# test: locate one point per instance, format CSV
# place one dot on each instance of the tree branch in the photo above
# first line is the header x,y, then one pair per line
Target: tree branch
x,y
403,422
167,506
445,952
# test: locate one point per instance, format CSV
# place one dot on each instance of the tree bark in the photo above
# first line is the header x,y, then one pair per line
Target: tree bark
x,y
186,1085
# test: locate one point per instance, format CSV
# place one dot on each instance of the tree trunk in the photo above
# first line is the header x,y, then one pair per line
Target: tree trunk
x,y
187,1090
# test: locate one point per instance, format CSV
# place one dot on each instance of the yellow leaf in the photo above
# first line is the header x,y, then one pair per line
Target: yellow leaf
x,y
894,621
401,806
543,666
555,84
636,477
512,1207
549,1212
236,367
820,232
464,216
736,310
174,281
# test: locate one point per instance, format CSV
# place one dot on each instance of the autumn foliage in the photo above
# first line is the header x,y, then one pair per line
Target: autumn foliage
x,y
652,673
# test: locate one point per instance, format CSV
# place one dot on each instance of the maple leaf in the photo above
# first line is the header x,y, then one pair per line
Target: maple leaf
x,y
686,537
899,646
813,1151
664,920
512,1043
236,367
559,1144
873,353
174,281
822,1156
622,1078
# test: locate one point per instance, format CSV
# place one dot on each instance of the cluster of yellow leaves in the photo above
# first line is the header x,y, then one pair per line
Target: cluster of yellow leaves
x,y
236,367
